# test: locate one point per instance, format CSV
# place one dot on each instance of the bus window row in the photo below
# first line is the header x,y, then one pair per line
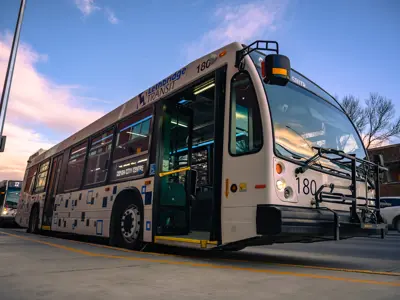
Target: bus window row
x,y
124,146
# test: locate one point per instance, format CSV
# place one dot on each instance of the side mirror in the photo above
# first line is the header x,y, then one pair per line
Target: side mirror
x,y
276,69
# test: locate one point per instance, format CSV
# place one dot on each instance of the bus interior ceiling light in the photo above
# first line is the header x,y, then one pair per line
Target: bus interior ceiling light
x,y
179,124
204,86
183,101
138,134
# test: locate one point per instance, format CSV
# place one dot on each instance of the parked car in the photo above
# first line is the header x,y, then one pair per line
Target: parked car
x,y
390,211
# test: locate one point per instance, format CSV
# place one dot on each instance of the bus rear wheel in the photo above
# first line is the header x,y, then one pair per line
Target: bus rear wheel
x,y
127,226
33,226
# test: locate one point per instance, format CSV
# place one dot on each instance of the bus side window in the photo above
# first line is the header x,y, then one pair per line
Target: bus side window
x,y
30,179
41,178
99,156
75,167
131,147
245,120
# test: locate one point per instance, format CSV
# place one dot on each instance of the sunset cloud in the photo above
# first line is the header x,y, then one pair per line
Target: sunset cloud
x,y
241,23
36,104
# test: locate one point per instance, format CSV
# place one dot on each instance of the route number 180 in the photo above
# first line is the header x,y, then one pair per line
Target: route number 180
x,y
306,186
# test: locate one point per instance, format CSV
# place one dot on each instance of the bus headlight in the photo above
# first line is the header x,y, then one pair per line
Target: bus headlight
x,y
4,212
280,184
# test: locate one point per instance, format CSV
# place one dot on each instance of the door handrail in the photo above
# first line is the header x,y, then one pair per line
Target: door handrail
x,y
173,171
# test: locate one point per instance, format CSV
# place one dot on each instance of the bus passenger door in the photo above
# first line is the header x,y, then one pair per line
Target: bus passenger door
x,y
52,190
174,175
244,161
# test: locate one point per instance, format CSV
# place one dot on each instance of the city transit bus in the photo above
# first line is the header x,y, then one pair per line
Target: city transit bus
x,y
233,150
9,196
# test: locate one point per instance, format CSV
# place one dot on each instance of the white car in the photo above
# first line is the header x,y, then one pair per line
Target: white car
x,y
390,211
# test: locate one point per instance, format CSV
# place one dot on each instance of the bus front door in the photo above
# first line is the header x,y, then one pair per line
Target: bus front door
x,y
52,191
174,174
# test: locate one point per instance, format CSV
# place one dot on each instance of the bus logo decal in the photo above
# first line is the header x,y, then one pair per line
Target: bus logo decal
x,y
148,225
160,89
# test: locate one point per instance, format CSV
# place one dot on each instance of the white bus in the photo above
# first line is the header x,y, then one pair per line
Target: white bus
x,y
235,149
9,196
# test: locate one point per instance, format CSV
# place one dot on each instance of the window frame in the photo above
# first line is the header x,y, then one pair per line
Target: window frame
x,y
146,153
230,117
34,190
29,189
84,185
69,151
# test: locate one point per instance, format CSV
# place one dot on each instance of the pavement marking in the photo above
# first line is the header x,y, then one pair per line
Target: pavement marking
x,y
370,272
207,265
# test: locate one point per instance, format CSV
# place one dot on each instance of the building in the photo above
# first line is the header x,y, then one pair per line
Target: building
x,y
391,157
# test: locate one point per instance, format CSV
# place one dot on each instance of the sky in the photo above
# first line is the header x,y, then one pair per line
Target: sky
x,y
79,59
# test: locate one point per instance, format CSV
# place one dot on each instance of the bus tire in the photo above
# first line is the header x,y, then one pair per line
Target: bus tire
x,y
33,225
127,224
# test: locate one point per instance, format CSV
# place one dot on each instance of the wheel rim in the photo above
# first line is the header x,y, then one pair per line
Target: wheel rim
x,y
130,223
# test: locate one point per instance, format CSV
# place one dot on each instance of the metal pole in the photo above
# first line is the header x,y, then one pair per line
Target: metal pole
x,y
9,73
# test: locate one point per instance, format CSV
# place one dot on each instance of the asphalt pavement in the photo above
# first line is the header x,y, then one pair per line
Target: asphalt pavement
x,y
48,267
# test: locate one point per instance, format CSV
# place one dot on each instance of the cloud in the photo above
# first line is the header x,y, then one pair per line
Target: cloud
x,y
21,143
36,104
111,16
240,23
88,7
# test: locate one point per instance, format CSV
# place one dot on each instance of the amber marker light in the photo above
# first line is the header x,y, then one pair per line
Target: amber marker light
x,y
278,168
222,53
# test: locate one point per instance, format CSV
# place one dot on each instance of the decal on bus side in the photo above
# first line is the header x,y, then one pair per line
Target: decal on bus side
x,y
158,90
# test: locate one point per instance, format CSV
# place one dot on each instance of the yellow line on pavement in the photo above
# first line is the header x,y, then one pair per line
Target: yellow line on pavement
x,y
370,272
207,265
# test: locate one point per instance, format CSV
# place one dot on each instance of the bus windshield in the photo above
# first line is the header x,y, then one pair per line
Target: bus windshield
x,y
303,115
12,197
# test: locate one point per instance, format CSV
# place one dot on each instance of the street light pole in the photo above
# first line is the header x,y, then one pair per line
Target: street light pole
x,y
9,74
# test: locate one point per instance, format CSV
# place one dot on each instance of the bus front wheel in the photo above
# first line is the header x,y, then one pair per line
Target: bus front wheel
x,y
126,226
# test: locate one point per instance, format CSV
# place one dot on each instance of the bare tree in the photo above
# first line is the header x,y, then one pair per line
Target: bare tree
x,y
356,112
376,121
380,114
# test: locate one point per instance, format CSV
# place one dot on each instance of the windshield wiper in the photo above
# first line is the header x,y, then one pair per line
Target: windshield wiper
x,y
294,155
310,160
307,163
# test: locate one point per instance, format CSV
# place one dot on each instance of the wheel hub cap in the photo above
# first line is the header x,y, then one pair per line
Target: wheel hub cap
x,y
130,223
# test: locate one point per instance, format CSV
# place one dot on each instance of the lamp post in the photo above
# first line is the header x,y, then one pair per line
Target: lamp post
x,y
9,74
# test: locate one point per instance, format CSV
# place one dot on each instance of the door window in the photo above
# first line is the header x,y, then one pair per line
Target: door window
x,y
30,179
41,178
246,126
75,168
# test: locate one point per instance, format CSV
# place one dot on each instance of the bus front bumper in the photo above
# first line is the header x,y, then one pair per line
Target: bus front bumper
x,y
278,220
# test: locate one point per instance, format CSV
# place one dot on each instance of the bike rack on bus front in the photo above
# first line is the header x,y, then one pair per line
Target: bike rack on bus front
x,y
368,170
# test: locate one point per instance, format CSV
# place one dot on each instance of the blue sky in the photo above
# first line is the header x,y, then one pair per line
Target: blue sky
x,y
88,56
